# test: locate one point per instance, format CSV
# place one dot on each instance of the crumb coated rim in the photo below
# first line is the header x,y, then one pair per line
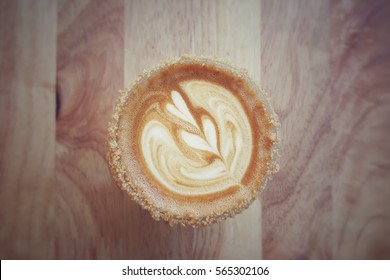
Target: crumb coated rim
x,y
122,178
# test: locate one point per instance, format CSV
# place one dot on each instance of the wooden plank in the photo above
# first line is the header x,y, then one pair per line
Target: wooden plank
x,y
295,70
361,87
27,127
156,31
91,213
327,67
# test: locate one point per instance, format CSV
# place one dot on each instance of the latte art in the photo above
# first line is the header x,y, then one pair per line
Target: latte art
x,y
197,154
193,141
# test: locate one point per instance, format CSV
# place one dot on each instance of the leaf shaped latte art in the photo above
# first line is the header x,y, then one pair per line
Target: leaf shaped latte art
x,y
199,142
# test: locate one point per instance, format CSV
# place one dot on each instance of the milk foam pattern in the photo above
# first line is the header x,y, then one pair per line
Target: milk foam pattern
x,y
198,141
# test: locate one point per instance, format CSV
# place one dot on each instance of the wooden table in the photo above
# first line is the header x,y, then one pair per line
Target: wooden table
x,y
326,65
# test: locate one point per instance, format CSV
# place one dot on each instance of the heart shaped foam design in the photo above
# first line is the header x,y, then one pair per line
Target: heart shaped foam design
x,y
198,141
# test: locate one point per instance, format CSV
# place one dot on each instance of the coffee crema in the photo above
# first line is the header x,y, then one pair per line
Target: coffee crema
x,y
193,141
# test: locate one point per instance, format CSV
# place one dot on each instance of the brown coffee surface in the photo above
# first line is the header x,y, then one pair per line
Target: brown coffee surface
x,y
193,141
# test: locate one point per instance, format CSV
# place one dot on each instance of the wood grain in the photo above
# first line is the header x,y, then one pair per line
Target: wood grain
x,y
89,208
295,70
331,198
360,56
27,125
324,63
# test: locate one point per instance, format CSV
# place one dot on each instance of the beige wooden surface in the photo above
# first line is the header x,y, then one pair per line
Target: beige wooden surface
x,y
326,65
27,127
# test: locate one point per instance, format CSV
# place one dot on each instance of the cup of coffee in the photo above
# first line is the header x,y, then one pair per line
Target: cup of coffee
x,y
193,141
